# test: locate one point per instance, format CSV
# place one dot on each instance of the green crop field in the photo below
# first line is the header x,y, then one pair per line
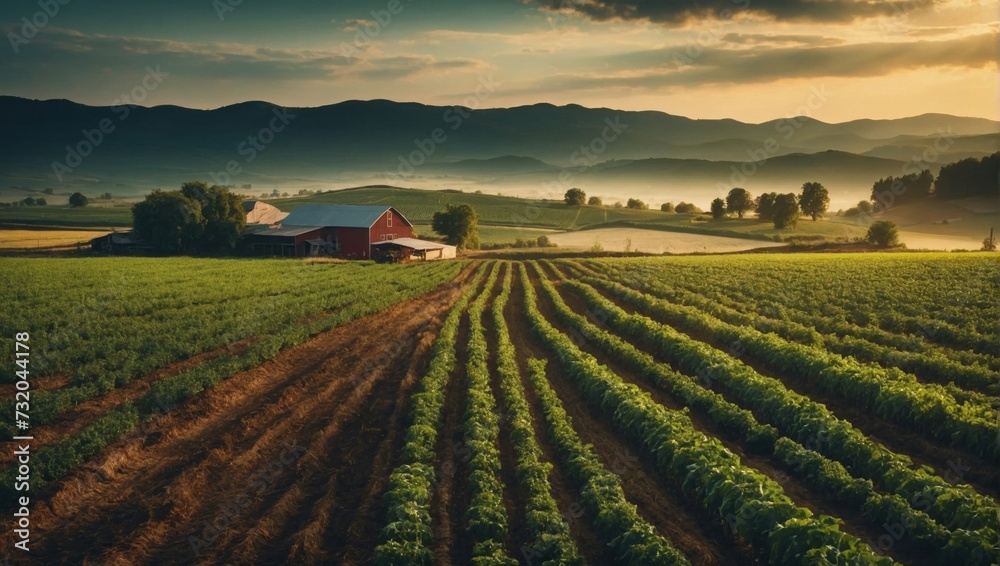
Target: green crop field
x,y
775,409
419,207
96,217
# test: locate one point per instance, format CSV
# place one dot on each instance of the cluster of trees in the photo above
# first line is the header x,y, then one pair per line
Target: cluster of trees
x,y
459,224
966,178
577,197
781,209
906,188
198,218
32,201
681,208
969,177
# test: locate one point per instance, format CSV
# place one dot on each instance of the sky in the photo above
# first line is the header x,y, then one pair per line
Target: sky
x,y
750,60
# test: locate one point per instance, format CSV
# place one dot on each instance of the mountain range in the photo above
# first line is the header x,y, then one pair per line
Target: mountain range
x,y
537,150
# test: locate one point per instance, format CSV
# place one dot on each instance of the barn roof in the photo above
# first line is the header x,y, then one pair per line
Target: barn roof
x,y
414,244
286,231
340,215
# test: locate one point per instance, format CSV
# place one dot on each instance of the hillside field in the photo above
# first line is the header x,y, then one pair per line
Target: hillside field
x,y
503,219
693,410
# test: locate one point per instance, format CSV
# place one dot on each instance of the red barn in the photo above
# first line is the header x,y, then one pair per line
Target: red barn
x,y
348,230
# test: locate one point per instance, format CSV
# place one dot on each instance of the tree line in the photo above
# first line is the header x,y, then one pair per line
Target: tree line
x,y
781,209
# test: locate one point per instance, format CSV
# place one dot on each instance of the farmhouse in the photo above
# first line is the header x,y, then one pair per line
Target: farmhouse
x,y
347,230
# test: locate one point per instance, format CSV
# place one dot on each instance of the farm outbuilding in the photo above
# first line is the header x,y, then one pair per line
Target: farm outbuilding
x,y
120,243
402,249
346,230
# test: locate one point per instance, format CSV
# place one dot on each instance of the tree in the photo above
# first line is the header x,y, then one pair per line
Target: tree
x,y
636,204
989,243
618,204
969,177
275,193
764,206
40,201
718,208
29,201
667,207
223,213
686,208
544,242
864,207
77,200
739,201
815,200
883,233
575,196
106,196
595,201
459,224
168,220
785,211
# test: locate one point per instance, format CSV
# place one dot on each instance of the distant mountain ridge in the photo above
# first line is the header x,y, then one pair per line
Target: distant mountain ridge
x,y
359,142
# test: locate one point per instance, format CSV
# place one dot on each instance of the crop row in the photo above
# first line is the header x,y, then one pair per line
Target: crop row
x,y
945,299
633,540
799,418
926,408
407,534
550,537
760,438
486,516
930,366
763,515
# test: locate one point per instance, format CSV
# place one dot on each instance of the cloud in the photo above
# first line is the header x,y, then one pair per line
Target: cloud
x,y
402,66
673,67
761,39
680,12
71,53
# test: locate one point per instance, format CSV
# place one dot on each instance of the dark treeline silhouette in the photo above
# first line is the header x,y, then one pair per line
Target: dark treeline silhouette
x,y
969,178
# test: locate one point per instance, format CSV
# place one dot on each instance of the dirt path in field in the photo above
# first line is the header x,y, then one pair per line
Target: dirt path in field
x,y
802,495
682,521
956,466
276,459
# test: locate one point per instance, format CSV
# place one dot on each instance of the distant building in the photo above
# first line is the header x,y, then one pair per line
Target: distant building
x,y
120,243
403,249
346,230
